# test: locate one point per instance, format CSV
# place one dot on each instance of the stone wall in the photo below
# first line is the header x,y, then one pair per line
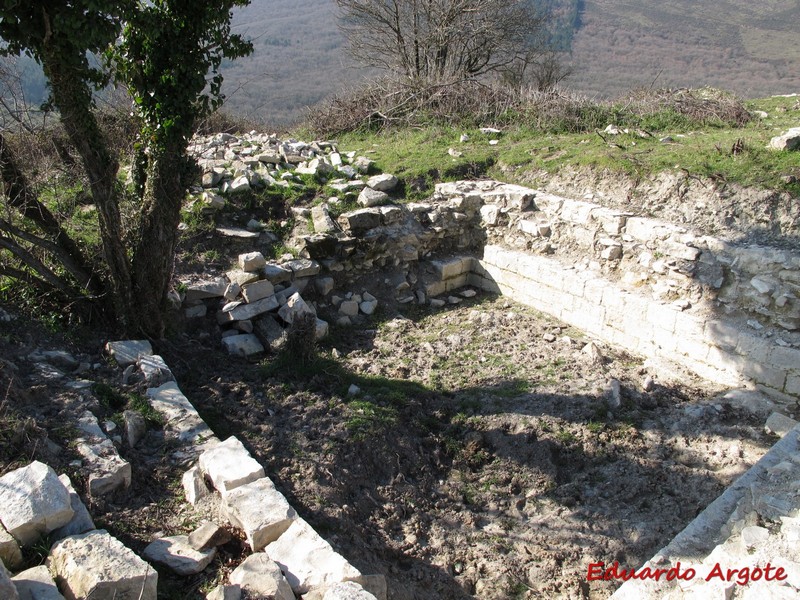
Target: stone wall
x,y
730,313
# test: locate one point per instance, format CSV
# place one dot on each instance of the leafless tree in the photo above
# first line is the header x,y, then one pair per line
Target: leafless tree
x,y
440,40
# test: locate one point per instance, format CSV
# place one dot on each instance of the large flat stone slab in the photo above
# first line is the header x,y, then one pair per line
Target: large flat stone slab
x,y
98,566
308,560
260,511
33,502
36,584
259,577
176,553
229,465
127,352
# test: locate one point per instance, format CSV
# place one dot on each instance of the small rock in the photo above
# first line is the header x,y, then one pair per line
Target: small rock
x,y
260,511
779,424
593,352
225,592
208,535
259,577
252,262
353,390
194,485
10,554
549,337
614,393
648,384
7,589
36,584
177,554
383,183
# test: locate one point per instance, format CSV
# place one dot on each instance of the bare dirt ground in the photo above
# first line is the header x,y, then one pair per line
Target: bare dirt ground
x,y
484,454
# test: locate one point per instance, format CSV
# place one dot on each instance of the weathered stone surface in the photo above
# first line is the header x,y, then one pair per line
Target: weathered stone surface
x,y
789,140
260,577
370,197
348,308
127,352
36,584
236,232
177,554
81,521
294,307
7,589
302,267
206,289
10,554
308,560
361,220
225,592
245,312
107,470
135,427
245,344
260,511
194,486
324,285
240,278
155,370
229,465
323,223
383,182
277,273
779,424
257,290
96,565
33,502
321,328
180,415
208,535
348,590
270,333
252,262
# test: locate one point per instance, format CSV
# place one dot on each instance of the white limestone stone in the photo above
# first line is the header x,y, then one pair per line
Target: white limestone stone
x,y
225,592
228,465
257,290
10,554
244,312
176,553
214,288
259,576
107,470
244,344
36,584
259,510
383,182
308,560
779,424
81,521
182,418
33,502
370,197
98,566
252,262
295,306
7,589
194,486
155,370
127,352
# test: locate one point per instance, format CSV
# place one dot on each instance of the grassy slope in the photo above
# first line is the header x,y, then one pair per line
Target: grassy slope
x,y
413,153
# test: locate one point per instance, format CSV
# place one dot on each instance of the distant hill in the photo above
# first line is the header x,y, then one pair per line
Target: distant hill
x,y
748,47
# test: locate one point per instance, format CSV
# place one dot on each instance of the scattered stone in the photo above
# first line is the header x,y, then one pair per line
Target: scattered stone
x,y
648,384
257,290
549,337
10,554
277,274
370,197
196,312
614,393
321,217
177,554
349,308
260,511
295,307
81,521
128,352
383,183
468,293
324,285
307,560
789,140
205,289
229,465
7,589
271,333
437,302
237,232
155,370
593,352
194,485
208,535
96,565
302,267
36,584
779,424
33,502
225,592
453,300
135,427
353,390
368,306
252,262
259,577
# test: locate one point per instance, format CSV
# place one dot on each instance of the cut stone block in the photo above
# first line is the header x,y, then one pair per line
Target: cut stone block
x,y
129,351
10,554
194,486
98,566
308,560
107,470
302,267
779,424
245,344
240,277
277,274
370,197
177,554
36,584
270,333
81,521
243,312
135,427
33,502
295,306
383,182
260,577
208,535
257,290
181,416
252,262
155,370
7,589
260,511
206,289
228,465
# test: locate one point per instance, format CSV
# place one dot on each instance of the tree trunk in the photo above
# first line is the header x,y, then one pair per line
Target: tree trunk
x,y
158,229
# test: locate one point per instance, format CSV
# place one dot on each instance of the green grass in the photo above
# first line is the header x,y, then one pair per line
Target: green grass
x,y
701,150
